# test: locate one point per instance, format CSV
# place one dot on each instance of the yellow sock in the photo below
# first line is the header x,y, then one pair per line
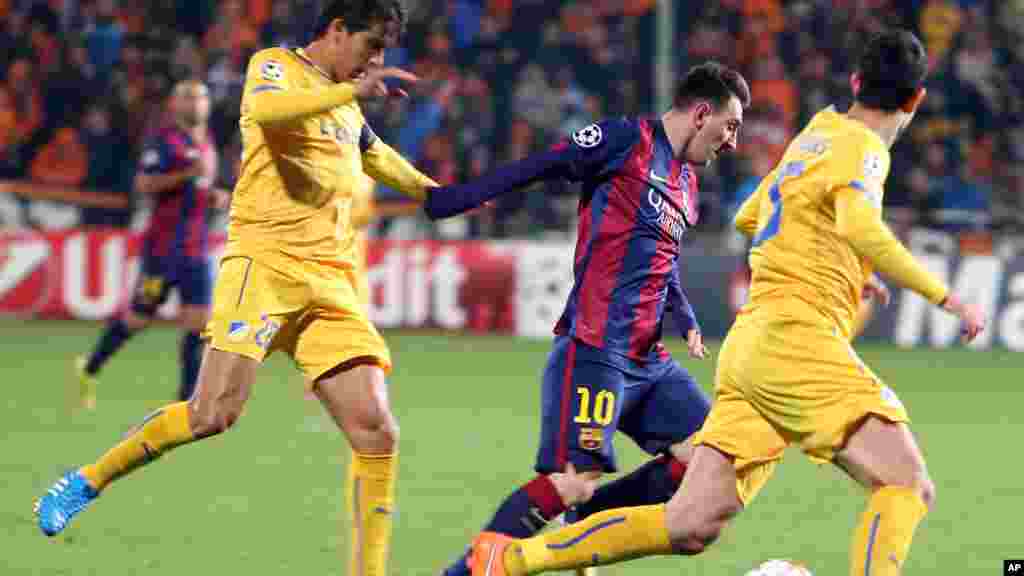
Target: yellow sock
x,y
371,480
160,431
883,537
604,538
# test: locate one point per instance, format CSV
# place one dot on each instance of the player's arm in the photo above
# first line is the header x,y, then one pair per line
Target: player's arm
x,y
683,316
271,101
385,165
682,311
747,216
153,177
590,153
859,221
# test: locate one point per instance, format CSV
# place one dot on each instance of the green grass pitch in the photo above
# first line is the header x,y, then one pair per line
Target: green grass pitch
x,y
266,498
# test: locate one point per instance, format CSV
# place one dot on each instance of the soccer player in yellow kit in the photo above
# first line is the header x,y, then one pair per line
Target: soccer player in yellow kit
x,y
786,372
286,280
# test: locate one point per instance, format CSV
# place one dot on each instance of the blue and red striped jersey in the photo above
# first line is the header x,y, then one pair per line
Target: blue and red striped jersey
x,y
638,199
178,227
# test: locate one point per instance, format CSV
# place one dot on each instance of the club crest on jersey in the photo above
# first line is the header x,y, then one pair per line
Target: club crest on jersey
x,y
272,70
237,331
588,137
591,439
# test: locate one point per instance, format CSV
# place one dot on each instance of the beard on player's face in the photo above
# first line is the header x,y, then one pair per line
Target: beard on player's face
x,y
704,148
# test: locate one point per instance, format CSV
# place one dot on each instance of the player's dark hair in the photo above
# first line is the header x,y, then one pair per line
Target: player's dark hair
x,y
892,68
360,15
711,81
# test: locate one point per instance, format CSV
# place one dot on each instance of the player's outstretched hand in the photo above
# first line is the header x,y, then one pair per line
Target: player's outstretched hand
x,y
695,342
972,322
372,84
877,290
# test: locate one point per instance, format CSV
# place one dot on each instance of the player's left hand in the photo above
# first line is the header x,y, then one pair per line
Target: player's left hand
x,y
695,342
221,199
372,83
877,290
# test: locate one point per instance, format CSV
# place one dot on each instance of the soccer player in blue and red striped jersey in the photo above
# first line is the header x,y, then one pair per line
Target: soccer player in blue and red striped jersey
x,y
178,168
608,369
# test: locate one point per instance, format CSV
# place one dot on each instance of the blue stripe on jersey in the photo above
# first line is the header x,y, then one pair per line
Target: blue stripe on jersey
x,y
265,88
188,197
857,184
366,138
636,272
598,203
775,195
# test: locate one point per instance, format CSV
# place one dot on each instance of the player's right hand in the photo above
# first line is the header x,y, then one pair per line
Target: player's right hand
x,y
972,322
372,84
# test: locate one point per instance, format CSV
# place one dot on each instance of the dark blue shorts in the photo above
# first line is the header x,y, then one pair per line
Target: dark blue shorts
x,y
588,394
193,277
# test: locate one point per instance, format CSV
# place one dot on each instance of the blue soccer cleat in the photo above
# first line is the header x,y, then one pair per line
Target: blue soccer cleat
x,y
69,496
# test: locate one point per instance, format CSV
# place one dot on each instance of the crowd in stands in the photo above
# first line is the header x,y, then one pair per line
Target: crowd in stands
x,y
84,82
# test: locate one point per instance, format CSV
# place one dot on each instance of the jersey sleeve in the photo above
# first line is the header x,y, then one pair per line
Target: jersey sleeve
x,y
271,97
155,158
859,221
390,168
599,149
682,312
862,164
749,213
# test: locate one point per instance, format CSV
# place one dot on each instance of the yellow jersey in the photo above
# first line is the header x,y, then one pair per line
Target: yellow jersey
x,y
306,148
816,227
362,213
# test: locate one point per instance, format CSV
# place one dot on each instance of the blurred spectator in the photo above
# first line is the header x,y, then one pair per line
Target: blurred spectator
x,y
108,171
232,32
103,38
939,22
63,160
69,85
280,29
534,99
769,86
502,78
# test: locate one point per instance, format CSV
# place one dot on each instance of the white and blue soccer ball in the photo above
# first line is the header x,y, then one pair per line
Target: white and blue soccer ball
x,y
780,568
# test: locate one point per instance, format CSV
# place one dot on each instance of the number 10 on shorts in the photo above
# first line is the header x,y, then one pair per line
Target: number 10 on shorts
x,y
603,409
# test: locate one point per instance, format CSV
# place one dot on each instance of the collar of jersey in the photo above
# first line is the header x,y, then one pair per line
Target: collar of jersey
x,y
301,55
661,139
860,126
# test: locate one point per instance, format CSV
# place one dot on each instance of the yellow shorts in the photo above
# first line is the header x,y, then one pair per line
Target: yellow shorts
x,y
308,310
780,382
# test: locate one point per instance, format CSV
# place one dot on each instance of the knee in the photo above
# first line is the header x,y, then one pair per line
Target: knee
x,y
575,488
925,489
921,484
212,418
377,434
696,536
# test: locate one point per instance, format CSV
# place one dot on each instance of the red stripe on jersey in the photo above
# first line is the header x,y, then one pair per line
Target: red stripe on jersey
x,y
645,315
195,225
562,450
611,242
164,225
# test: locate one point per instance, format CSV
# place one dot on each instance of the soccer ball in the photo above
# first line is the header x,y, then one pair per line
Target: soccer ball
x,y
780,568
